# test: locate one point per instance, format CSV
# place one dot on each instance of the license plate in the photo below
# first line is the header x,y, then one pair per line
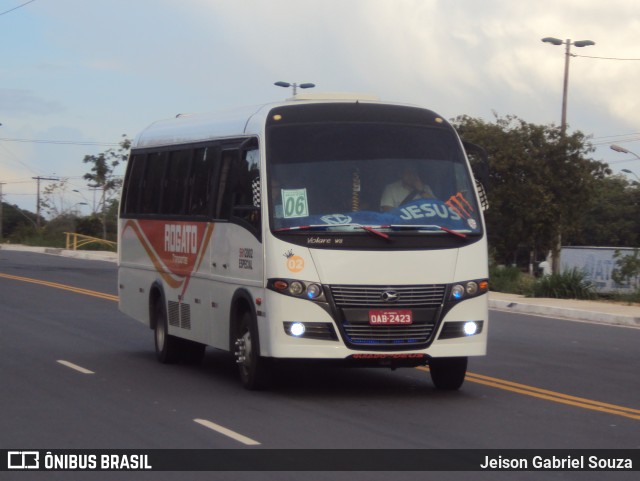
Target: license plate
x,y
390,318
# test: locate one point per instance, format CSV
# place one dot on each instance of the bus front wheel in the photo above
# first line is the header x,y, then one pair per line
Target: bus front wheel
x,y
255,371
448,373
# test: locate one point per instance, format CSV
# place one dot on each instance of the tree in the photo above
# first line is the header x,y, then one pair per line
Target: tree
x,y
539,181
17,224
102,175
53,199
611,216
627,270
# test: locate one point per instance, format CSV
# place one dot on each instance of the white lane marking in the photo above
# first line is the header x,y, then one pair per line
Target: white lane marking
x,y
75,367
227,432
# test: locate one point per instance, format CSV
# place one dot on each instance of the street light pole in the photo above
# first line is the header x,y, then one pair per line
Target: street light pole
x,y
563,122
295,86
620,149
565,90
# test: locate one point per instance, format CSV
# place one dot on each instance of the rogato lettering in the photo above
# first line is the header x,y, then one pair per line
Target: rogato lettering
x,y
181,238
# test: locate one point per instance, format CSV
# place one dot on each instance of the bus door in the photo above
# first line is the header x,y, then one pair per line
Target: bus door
x,y
237,243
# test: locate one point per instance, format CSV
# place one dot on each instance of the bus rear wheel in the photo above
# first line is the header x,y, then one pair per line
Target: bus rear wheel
x,y
448,373
255,371
167,346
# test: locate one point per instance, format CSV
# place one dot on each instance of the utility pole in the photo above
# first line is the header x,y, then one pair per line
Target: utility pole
x,y
38,198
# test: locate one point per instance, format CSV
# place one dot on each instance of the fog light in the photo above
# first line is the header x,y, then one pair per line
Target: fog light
x,y
297,329
470,328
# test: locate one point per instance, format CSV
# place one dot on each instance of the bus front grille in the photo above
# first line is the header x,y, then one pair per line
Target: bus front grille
x,y
354,304
382,296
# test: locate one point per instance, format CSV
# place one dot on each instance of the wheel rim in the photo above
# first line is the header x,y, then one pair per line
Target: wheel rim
x,y
248,353
160,335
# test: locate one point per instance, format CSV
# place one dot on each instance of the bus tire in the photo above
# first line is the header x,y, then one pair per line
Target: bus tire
x,y
448,373
167,346
255,371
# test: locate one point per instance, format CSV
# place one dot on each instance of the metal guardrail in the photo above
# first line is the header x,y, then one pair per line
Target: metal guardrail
x,y
75,240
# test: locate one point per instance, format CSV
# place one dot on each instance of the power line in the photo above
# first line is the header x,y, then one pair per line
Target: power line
x,y
605,58
60,142
16,159
16,8
619,141
617,135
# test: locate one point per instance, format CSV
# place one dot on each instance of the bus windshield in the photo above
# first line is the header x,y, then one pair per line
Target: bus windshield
x,y
340,176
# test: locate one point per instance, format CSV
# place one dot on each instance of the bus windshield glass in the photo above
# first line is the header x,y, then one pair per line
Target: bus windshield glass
x,y
338,176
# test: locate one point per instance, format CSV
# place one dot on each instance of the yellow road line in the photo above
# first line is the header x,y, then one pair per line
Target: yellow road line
x,y
471,377
551,395
65,287
479,377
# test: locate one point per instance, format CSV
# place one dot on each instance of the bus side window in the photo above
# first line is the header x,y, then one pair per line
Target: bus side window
x,y
238,197
131,191
201,180
246,193
152,183
223,201
176,188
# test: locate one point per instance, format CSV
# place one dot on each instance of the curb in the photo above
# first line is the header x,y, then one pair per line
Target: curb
x,y
598,317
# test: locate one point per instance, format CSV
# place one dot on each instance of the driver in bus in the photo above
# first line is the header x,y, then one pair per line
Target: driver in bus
x,y
408,188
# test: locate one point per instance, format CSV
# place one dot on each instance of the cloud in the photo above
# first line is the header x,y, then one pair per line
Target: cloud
x,y
25,102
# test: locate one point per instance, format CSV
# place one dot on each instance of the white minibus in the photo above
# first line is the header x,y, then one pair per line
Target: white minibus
x,y
320,228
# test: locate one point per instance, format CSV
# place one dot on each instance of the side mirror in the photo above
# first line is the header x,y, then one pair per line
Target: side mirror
x,y
480,166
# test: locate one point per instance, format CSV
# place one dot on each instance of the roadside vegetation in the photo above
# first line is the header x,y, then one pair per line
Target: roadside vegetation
x,y
571,284
20,226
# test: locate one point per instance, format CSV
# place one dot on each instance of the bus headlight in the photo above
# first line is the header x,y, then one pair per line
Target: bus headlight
x,y
313,291
298,288
467,289
471,288
457,291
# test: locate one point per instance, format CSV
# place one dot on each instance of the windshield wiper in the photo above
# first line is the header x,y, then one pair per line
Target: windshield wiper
x,y
367,228
431,226
304,227
373,230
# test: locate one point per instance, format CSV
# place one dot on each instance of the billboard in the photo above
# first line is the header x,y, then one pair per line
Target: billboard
x,y
597,263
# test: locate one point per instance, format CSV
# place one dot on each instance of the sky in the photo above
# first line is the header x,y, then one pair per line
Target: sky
x,y
75,75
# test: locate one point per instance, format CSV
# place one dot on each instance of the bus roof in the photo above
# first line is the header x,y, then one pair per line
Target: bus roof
x,y
186,128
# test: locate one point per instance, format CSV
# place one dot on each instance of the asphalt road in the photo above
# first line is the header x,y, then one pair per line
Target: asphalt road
x,y
546,383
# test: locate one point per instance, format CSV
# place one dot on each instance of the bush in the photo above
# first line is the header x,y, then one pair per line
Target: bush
x,y
630,299
509,279
571,284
